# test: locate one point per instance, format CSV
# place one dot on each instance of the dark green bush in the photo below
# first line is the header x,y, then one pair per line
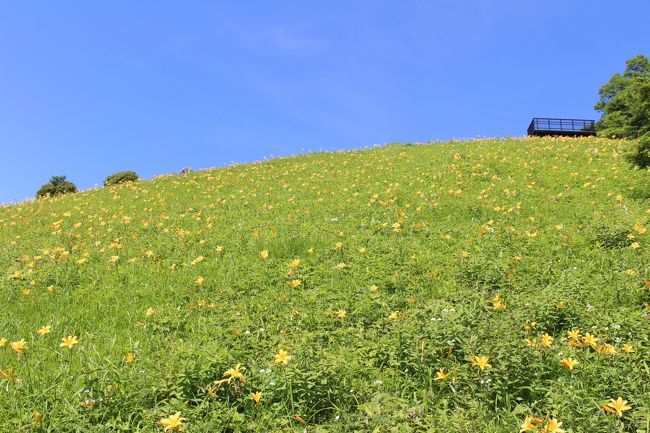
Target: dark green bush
x,y
640,156
56,186
121,177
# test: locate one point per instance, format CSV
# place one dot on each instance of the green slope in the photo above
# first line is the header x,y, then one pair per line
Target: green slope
x,y
384,266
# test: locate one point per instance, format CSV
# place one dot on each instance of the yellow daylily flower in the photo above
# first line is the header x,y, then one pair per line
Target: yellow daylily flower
x,y
481,362
617,406
69,341
282,357
172,422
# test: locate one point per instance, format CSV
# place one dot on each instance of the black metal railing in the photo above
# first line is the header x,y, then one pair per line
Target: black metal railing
x,y
541,126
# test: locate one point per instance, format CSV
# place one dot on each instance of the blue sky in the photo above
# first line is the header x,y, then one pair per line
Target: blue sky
x,y
88,88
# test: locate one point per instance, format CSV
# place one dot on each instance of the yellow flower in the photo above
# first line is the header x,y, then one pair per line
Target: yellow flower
x,y
553,426
114,259
627,348
172,422
569,363
497,303
530,424
294,284
44,330
294,264
574,334
590,340
617,406
18,346
465,254
394,315
150,312
340,314
481,362
3,342
264,254
256,397
235,373
200,281
545,340
129,358
374,289
441,375
282,357
69,341
607,349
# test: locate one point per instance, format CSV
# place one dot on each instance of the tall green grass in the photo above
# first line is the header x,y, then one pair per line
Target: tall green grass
x,y
388,271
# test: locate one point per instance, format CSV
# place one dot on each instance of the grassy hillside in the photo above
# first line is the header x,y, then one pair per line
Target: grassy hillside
x,y
443,287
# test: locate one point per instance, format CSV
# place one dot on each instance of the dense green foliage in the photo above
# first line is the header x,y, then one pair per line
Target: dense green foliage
x,y
447,287
625,104
121,177
56,186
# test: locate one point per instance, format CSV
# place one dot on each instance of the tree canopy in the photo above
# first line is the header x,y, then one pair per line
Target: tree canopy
x,y
625,104
56,186
625,101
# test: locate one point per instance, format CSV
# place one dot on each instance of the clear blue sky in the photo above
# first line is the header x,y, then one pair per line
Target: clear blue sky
x,y
88,88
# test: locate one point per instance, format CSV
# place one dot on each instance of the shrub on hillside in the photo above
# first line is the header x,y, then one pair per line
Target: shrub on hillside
x,y
121,177
640,155
56,186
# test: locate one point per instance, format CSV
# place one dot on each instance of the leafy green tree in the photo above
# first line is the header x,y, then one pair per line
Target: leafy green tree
x,y
56,186
625,104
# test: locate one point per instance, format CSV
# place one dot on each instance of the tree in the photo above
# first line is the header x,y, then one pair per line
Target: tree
x,y
625,104
56,186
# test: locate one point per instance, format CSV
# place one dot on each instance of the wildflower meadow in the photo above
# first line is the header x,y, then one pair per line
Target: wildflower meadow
x,y
493,285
